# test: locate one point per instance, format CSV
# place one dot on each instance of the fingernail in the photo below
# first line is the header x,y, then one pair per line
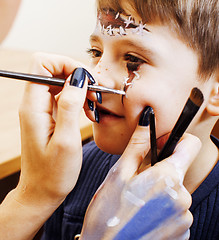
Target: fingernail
x,y
90,104
145,117
99,97
97,116
78,78
92,81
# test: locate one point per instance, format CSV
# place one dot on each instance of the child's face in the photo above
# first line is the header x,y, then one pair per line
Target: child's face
x,y
165,73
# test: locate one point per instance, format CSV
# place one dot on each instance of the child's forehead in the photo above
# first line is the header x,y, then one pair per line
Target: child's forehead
x,y
115,19
112,21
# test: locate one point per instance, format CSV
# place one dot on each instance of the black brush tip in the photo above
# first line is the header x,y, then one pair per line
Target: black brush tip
x,y
197,97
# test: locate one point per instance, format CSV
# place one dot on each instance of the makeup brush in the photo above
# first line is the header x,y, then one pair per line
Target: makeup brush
x,y
54,81
189,111
153,138
148,118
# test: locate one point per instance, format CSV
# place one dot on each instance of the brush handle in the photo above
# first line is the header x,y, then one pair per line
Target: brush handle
x,y
55,81
153,139
33,78
185,118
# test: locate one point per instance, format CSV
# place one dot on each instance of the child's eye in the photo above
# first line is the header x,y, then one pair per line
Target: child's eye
x,y
133,59
94,53
133,62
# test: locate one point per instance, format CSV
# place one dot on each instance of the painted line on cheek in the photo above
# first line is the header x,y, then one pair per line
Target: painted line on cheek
x,y
149,217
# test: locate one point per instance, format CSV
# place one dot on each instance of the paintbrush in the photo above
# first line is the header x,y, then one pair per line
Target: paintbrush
x,y
153,138
189,111
147,118
54,81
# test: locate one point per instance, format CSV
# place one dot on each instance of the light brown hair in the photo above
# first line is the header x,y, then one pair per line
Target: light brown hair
x,y
195,21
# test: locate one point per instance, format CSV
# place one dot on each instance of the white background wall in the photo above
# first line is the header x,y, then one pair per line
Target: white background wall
x,y
59,26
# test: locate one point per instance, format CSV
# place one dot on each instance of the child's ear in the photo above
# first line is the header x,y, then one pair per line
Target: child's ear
x,y
213,103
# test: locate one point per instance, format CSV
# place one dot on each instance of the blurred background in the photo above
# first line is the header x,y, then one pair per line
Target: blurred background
x,y
58,26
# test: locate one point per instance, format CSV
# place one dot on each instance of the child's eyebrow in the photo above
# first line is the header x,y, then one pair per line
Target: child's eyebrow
x,y
138,46
95,38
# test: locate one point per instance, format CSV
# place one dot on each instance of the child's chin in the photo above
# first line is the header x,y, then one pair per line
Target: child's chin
x,y
112,148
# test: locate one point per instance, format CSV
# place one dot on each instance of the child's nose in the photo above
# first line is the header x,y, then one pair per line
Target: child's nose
x,y
107,76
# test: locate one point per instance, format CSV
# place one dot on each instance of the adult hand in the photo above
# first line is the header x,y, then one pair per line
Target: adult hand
x,y
51,148
152,204
50,132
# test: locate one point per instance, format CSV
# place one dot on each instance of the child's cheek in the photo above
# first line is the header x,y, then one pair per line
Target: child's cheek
x,y
140,95
136,99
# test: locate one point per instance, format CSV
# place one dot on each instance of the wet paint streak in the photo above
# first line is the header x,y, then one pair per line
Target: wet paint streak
x,y
132,68
149,217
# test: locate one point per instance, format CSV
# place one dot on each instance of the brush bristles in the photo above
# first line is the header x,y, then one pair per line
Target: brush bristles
x,y
197,97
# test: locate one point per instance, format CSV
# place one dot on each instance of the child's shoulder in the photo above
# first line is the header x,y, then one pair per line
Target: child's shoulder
x,y
210,184
205,206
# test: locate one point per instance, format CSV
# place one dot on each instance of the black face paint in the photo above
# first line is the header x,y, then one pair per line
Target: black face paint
x,y
132,67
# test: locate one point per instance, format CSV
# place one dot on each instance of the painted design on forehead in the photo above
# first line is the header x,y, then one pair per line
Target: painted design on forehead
x,y
113,23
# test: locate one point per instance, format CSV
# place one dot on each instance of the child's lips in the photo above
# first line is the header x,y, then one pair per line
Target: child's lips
x,y
105,111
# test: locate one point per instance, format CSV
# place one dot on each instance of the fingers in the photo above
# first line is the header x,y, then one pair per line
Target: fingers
x,y
89,108
36,113
176,228
52,143
37,97
166,177
138,146
179,228
90,105
38,105
185,153
53,65
70,105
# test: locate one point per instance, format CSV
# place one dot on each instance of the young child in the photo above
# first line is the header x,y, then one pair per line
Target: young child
x,y
157,51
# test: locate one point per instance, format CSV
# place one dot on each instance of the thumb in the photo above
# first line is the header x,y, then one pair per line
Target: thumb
x,y
138,145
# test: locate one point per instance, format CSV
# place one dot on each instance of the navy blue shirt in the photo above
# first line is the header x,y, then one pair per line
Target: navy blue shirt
x,y
67,220
205,206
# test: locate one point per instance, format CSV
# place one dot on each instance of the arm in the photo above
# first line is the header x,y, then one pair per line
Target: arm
x,y
51,150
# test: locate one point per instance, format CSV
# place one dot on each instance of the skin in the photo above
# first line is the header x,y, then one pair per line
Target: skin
x,y
162,77
55,143
51,154
8,11
146,187
168,71
167,75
